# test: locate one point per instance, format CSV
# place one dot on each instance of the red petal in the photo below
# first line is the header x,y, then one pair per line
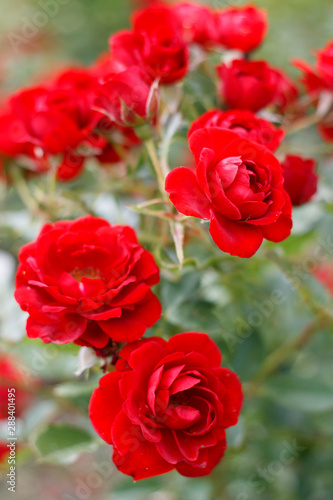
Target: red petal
x,y
235,238
105,404
186,194
133,454
196,342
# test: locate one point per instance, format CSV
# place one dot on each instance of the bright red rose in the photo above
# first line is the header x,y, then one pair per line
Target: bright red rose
x,y
88,282
197,21
247,84
167,406
300,179
156,44
43,122
241,28
245,123
315,81
238,186
129,98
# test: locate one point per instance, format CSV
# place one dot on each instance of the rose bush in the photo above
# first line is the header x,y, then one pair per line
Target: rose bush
x,y
167,406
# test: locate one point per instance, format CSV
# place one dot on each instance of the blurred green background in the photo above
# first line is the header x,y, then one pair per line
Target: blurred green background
x,y
282,448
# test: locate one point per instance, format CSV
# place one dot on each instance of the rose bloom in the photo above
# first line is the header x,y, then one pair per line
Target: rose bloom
x,y
88,282
156,44
197,21
167,406
247,84
241,28
50,121
300,179
129,98
238,186
245,123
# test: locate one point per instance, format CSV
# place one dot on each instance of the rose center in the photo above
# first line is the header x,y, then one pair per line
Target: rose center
x,y
87,272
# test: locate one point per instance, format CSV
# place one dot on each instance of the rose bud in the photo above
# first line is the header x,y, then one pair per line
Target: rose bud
x,y
167,406
238,186
300,179
245,123
129,98
85,281
241,28
247,84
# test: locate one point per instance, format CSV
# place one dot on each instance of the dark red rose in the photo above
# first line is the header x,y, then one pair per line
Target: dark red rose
x,y
300,179
238,186
241,28
167,406
324,64
129,98
247,84
197,21
245,123
156,44
88,282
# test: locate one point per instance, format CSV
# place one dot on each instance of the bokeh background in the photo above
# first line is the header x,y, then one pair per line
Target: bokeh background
x,y
282,447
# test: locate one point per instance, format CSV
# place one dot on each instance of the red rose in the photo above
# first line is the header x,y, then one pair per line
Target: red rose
x,y
156,44
197,21
167,406
11,376
42,122
300,179
247,84
129,98
238,185
245,123
241,28
321,78
325,64
88,282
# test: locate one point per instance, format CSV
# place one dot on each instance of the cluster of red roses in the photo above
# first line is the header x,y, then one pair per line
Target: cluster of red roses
x,y
167,404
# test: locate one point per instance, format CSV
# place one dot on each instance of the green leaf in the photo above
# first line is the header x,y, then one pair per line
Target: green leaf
x,y
62,443
311,395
